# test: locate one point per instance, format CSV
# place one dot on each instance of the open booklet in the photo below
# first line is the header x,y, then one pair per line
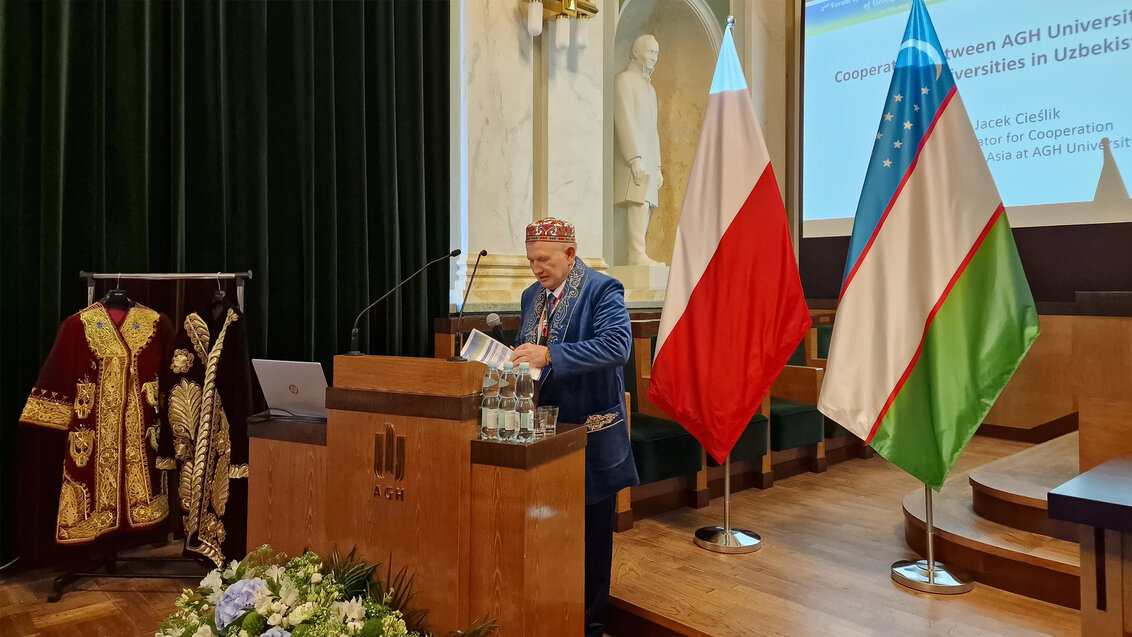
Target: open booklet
x,y
485,349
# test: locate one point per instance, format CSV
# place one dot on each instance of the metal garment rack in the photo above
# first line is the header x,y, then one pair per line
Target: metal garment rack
x,y
140,567
239,277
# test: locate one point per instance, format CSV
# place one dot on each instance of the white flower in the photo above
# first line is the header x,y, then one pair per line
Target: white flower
x,y
392,626
243,633
275,619
274,572
215,596
301,613
316,578
354,627
288,594
173,632
230,572
203,631
212,580
277,607
354,609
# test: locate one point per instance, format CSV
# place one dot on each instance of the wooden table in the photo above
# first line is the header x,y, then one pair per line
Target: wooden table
x,y
1101,501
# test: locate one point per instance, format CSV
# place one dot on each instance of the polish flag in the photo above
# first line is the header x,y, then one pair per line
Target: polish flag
x,y
734,310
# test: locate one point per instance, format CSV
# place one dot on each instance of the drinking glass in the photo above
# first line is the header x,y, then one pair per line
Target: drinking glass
x,y
546,421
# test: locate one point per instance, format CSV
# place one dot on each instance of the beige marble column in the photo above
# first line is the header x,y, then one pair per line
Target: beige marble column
x,y
575,119
527,127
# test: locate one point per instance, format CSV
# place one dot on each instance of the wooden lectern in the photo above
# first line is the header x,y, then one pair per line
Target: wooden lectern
x,y
489,529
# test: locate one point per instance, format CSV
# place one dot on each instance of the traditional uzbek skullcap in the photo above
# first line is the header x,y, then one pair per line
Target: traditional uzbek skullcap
x,y
551,229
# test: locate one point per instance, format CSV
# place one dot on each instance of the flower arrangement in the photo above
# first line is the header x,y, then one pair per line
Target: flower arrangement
x,y
268,595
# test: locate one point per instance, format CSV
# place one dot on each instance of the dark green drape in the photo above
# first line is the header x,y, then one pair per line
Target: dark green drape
x,y
306,141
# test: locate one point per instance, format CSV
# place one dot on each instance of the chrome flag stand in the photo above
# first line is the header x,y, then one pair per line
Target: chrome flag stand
x,y
724,539
930,576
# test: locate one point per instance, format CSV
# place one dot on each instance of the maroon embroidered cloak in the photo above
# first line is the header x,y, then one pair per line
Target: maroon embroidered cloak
x,y
100,385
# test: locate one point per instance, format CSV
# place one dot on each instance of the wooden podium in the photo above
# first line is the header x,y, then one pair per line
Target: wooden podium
x,y
488,529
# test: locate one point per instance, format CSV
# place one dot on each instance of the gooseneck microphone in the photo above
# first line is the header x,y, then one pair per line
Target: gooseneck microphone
x,y
460,337
496,325
354,351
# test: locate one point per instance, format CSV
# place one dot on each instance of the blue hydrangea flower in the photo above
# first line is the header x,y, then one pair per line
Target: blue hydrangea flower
x,y
236,600
276,632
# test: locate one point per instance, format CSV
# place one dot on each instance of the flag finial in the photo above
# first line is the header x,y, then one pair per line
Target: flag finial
x,y
730,22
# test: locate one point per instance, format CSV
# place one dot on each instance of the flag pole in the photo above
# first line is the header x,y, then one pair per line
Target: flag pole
x,y
930,576
724,539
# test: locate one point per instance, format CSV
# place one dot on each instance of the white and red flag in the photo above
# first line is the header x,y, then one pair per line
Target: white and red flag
x,y
734,309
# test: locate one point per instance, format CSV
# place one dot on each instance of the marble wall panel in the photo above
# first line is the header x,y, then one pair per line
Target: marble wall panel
x,y
499,90
575,157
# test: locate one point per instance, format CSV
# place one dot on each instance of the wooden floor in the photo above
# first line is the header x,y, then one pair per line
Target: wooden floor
x,y
829,540
102,607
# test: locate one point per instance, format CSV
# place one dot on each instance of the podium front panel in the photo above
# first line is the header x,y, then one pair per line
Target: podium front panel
x,y
398,489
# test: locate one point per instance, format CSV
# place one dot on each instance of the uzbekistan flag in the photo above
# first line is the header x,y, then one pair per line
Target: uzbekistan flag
x,y
935,312
734,310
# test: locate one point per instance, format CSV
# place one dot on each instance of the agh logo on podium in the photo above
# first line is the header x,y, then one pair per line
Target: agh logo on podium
x,y
389,462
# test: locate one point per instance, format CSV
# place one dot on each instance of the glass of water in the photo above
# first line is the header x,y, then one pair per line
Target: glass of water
x,y
546,421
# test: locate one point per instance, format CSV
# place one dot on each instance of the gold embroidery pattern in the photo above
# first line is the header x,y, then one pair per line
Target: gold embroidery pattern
x,y
208,483
143,508
152,435
238,471
74,503
47,413
84,399
184,413
82,442
102,337
182,360
151,390
197,330
597,422
138,328
166,464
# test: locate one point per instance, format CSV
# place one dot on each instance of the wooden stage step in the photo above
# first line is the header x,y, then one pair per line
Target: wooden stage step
x,y
1030,564
829,540
1012,491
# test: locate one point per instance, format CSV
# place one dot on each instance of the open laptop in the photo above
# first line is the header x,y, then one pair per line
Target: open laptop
x,y
297,387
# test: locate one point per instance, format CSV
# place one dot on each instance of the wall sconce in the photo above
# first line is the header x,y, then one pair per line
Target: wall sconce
x,y
539,12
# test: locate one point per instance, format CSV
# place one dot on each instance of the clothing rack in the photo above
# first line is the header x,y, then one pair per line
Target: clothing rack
x,y
140,567
239,277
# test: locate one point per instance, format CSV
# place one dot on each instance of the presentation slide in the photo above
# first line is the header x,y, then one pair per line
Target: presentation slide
x,y
1047,84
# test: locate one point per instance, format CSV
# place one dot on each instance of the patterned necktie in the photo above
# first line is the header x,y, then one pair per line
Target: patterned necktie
x,y
548,311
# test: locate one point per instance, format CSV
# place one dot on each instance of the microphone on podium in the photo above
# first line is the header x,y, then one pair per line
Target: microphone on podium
x,y
354,351
495,323
459,337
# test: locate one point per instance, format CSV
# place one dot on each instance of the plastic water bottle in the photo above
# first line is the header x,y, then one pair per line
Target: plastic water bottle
x,y
525,390
508,417
489,406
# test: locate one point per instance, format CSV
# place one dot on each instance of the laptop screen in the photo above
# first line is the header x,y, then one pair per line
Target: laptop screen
x,y
297,387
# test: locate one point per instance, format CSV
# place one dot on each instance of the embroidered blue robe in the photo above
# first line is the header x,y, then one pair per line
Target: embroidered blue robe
x,y
590,341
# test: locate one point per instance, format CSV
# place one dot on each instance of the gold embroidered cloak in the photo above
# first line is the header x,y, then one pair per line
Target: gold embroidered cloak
x,y
100,385
208,407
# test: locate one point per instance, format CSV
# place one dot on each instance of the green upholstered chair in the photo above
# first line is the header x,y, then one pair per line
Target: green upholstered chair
x,y
794,424
751,445
794,417
662,448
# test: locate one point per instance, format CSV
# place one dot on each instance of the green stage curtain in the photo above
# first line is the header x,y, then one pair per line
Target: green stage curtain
x,y
306,141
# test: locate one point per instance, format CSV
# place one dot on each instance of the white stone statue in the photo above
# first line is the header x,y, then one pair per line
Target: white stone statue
x,y
636,168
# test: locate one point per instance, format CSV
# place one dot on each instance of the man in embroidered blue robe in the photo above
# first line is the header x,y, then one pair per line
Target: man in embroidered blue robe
x,y
575,327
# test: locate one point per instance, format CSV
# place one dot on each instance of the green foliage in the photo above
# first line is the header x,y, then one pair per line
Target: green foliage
x,y
372,628
352,573
254,623
398,592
